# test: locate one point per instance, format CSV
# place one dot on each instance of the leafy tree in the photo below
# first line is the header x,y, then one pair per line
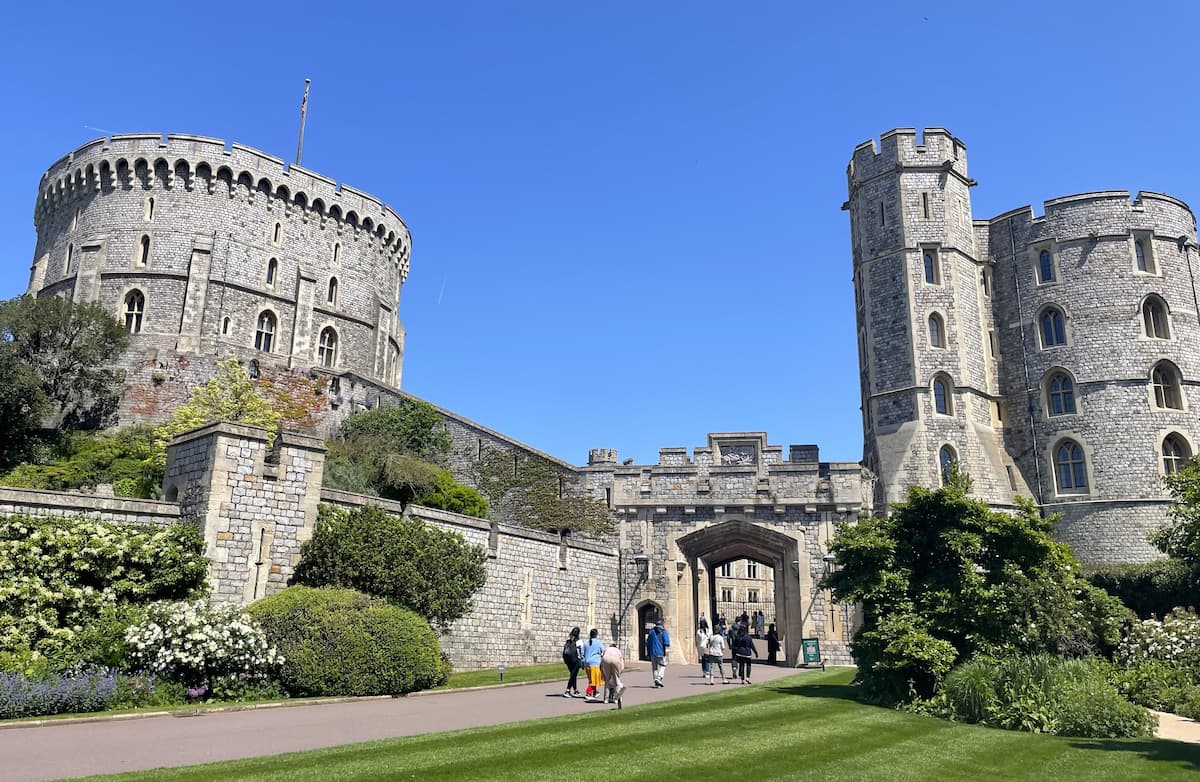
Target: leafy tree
x,y
22,406
410,426
538,493
85,459
1181,538
449,494
70,348
229,396
420,567
944,578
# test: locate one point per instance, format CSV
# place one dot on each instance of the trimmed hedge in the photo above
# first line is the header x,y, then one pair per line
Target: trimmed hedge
x,y
1150,589
343,642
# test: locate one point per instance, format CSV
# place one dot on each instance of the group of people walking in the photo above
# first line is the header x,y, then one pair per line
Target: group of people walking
x,y
603,665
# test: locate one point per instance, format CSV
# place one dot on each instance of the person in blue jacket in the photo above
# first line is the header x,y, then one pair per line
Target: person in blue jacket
x,y
657,643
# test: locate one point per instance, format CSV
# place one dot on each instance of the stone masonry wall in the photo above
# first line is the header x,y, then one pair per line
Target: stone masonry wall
x,y
118,510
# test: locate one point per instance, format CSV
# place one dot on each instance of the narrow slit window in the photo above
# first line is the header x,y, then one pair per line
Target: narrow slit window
x,y
332,294
272,271
925,205
143,253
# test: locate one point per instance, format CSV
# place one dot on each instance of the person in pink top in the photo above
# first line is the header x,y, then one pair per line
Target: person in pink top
x,y
612,665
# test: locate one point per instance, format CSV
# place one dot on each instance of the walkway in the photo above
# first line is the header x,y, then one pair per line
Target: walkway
x,y
56,750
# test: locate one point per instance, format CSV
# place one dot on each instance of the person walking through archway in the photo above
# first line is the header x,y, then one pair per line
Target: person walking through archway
x,y
772,644
702,648
715,655
743,647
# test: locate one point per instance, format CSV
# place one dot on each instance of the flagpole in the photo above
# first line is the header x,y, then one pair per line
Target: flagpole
x,y
303,112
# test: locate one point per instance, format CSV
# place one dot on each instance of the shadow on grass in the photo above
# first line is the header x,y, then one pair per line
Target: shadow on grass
x,y
1177,753
845,692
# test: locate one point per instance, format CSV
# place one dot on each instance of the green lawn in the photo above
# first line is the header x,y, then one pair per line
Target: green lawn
x,y
525,673
802,727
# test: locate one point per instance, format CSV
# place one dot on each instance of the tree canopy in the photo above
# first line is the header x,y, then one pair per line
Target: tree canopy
x,y
416,565
69,348
945,578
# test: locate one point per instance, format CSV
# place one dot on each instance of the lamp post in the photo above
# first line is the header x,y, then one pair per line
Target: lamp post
x,y
642,562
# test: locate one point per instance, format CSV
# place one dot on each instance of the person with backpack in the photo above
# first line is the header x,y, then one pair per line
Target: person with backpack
x,y
743,647
593,650
657,643
572,659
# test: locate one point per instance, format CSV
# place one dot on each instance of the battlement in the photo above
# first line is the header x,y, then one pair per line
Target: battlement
x,y
188,161
602,456
905,148
1093,200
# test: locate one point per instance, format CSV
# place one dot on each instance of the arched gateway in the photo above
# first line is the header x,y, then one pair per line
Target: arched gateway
x,y
784,553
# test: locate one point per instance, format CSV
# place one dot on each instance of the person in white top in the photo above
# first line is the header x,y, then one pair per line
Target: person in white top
x,y
716,654
702,646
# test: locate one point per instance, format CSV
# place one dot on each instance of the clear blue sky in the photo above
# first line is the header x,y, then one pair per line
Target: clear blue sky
x,y
625,216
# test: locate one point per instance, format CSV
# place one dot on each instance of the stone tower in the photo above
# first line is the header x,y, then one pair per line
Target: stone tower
x,y
1053,357
922,291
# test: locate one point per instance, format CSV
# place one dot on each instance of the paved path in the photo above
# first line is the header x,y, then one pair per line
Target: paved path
x,y
52,751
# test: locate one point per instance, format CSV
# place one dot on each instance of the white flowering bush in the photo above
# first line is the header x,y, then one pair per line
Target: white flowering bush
x,y
59,576
201,645
1174,640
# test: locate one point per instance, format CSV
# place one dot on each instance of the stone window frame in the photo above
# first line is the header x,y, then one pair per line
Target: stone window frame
x,y
1040,323
277,234
1045,264
1049,393
148,210
935,326
752,596
1160,390
126,313
1181,454
931,264
946,383
751,569
322,348
1155,316
331,291
986,282
1141,251
143,251
335,255
272,335
947,457
68,258
728,595
725,570
271,273
1053,454
226,325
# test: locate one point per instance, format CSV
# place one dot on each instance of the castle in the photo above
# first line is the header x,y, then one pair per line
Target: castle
x,y
1049,356
1052,357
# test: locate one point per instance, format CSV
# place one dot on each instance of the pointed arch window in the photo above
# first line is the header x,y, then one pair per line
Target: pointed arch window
x,y
946,461
332,294
1045,267
264,334
943,403
1154,318
135,308
1060,394
337,253
930,261
277,234
1175,453
937,331
1070,468
1168,388
327,347
1053,328
225,326
272,271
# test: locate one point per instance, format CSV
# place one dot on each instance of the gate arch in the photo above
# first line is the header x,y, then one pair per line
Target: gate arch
x,y
738,539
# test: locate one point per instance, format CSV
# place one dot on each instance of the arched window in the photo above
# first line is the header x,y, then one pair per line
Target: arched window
x,y
1168,391
331,296
264,335
1175,453
985,280
337,253
277,233
1139,254
1045,266
148,210
135,307
1060,394
931,267
272,271
1154,318
942,402
327,348
937,335
143,252
1054,330
1070,468
225,326
70,257
946,461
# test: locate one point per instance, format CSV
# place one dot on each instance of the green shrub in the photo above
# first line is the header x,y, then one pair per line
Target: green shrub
x,y
1149,589
1096,710
899,658
343,642
451,495
425,569
1153,683
970,690
101,639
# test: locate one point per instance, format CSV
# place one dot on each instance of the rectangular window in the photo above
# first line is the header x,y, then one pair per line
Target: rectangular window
x,y
752,596
991,343
751,570
726,570
925,205
726,595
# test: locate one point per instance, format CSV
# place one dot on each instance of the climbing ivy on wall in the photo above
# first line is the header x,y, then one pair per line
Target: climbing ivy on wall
x,y
538,493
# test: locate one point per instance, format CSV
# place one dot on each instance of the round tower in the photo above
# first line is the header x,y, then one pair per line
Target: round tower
x,y
923,299
204,248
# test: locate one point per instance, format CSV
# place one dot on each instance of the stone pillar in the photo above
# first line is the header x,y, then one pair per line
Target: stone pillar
x,y
197,293
301,352
255,506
